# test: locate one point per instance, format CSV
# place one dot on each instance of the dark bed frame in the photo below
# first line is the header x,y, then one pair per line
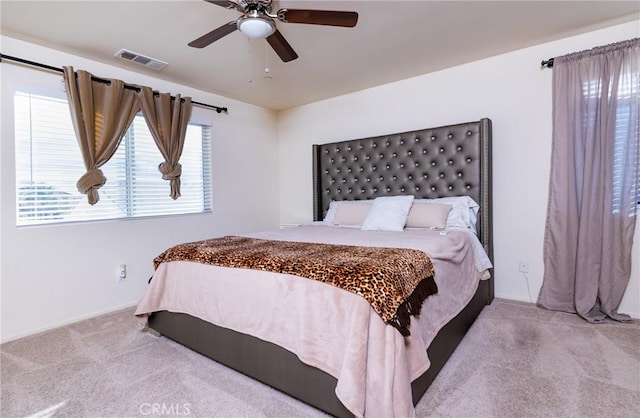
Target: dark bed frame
x,y
446,161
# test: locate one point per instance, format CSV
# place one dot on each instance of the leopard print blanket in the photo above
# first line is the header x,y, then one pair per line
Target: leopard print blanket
x,y
395,281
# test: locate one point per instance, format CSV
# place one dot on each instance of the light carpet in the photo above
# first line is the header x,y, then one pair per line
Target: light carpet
x,y
516,361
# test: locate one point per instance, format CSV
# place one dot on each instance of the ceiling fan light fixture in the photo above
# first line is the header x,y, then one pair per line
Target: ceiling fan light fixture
x,y
256,27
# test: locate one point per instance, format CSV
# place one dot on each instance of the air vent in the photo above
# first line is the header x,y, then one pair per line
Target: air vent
x,y
141,59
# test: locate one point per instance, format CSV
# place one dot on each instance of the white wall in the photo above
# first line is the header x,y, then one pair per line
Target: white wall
x,y
513,91
54,275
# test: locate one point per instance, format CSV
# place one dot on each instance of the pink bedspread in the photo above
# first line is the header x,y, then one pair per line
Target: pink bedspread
x,y
337,331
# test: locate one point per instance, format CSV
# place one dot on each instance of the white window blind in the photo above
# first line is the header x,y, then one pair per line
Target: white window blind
x,y
625,148
49,163
626,127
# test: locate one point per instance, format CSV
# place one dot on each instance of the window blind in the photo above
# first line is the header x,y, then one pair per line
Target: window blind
x,y
49,163
626,127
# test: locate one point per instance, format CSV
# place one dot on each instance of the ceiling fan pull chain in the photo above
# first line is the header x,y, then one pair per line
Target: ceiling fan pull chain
x,y
250,69
267,70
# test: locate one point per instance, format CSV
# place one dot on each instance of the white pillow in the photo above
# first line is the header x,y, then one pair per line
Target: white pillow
x,y
331,212
464,212
388,213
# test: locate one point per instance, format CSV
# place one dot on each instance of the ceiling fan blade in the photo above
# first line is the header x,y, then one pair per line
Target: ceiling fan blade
x,y
319,17
214,35
281,46
227,4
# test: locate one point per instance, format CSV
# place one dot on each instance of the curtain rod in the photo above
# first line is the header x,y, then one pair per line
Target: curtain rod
x,y
547,63
101,80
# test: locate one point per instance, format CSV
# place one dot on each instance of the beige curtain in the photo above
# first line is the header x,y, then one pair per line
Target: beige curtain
x,y
167,119
101,115
595,171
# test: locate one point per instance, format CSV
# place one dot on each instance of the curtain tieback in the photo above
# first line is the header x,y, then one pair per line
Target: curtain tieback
x,y
169,171
89,184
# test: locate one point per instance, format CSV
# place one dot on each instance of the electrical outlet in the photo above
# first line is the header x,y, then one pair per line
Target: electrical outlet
x,y
122,273
523,266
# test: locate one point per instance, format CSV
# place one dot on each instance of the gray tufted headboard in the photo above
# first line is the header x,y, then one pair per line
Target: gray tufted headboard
x,y
449,160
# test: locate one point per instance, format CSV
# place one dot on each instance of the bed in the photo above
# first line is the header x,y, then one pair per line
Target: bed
x,y
442,162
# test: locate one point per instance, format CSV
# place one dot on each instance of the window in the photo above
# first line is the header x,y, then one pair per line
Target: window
x,y
49,163
626,127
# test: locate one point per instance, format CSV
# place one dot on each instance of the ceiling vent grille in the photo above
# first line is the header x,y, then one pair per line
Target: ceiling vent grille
x,y
126,55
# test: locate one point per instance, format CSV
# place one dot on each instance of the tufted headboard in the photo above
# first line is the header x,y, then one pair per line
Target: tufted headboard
x,y
446,161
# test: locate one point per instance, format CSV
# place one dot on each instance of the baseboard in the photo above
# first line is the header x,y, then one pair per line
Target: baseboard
x,y
634,315
73,320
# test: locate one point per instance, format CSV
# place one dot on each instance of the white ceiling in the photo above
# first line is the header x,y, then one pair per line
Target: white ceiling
x,y
393,40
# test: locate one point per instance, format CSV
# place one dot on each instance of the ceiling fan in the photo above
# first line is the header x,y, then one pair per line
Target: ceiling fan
x,y
258,21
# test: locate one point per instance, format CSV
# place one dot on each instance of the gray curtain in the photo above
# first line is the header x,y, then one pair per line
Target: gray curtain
x,y
101,114
593,192
167,119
